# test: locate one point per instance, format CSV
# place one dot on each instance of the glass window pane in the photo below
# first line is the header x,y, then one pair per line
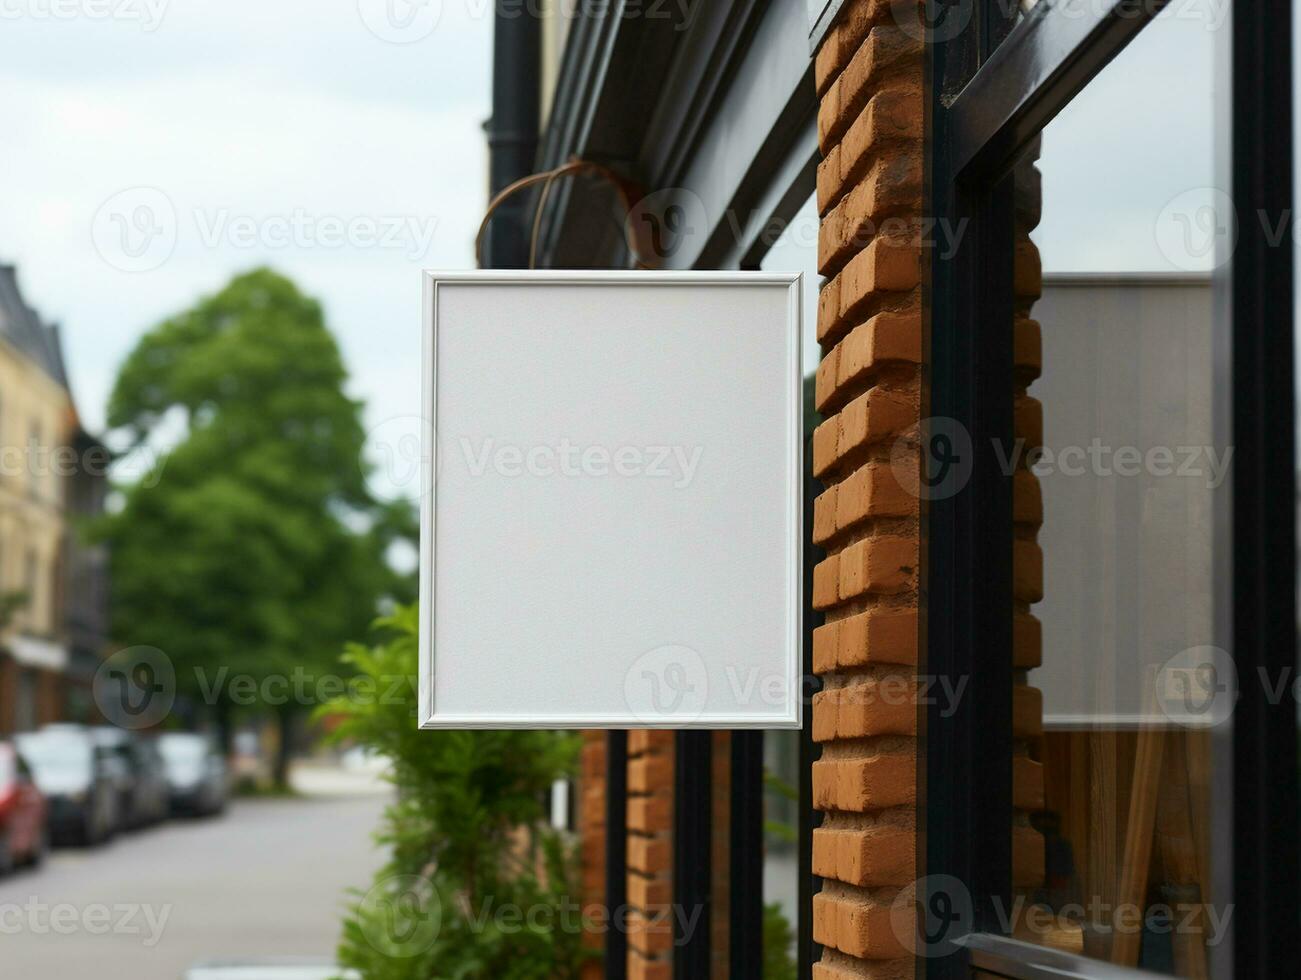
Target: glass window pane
x,y
1121,685
795,250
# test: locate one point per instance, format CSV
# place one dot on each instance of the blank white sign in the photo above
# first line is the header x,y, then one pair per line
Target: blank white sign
x,y
612,534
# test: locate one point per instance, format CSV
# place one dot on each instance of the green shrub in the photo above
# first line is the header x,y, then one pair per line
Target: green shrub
x,y
477,885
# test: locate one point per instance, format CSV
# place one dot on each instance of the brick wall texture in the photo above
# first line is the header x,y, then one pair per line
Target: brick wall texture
x,y
1028,864
866,453
650,855
869,194
591,830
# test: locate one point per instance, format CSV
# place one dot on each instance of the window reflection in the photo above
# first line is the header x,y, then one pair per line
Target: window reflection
x,y
1117,482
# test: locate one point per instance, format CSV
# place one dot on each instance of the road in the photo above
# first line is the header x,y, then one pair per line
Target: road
x,y
267,879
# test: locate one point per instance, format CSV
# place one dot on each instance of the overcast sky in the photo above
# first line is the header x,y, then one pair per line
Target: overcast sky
x,y
170,128
149,156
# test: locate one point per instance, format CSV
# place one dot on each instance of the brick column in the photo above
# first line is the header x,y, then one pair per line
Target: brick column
x,y
650,855
871,133
870,128
591,829
1028,863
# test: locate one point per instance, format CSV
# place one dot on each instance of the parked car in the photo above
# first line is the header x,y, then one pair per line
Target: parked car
x,y
196,773
78,779
139,774
22,812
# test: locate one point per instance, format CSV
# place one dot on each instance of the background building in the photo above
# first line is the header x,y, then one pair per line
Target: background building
x,y
52,479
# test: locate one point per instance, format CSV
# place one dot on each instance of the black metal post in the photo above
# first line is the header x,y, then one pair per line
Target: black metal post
x,y
965,755
513,129
616,854
1266,866
745,857
807,951
692,854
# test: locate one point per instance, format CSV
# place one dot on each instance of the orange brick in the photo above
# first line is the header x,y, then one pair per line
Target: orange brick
x,y
649,740
867,858
877,707
884,204
862,785
649,773
650,933
827,63
871,491
886,265
1027,498
826,583
829,180
893,115
825,440
645,892
825,382
1027,641
1027,711
848,32
1028,270
826,643
1027,571
887,337
880,636
871,418
824,715
1028,858
649,814
1027,784
640,968
649,855
855,926
881,565
824,515
1027,350
1028,419
885,50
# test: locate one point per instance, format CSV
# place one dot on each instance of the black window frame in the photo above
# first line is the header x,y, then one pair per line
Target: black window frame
x,y
991,88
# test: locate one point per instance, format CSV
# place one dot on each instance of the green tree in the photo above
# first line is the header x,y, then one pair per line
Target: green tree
x,y
477,885
253,549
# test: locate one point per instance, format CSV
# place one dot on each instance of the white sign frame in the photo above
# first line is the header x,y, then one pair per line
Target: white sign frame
x,y
790,713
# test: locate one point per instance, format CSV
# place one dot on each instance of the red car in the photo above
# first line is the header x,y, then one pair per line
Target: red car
x,y
22,812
